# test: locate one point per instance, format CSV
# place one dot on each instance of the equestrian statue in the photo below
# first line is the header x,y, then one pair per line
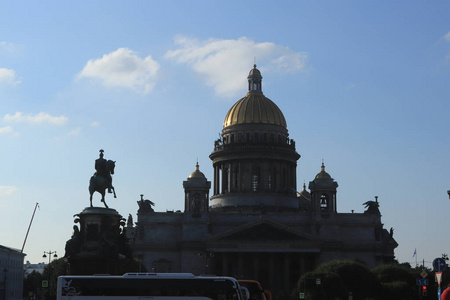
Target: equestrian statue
x,y
102,180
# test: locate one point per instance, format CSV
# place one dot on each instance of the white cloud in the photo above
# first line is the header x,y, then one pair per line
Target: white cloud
x,y
223,63
7,190
40,118
8,77
10,48
7,130
447,36
123,68
74,132
351,86
95,124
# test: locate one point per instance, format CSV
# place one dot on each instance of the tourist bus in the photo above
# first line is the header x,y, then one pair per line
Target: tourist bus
x,y
255,290
149,286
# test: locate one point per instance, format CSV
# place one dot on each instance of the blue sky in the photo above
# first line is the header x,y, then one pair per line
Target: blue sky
x,y
364,85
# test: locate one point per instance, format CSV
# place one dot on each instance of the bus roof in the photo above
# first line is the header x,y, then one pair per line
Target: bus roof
x,y
164,275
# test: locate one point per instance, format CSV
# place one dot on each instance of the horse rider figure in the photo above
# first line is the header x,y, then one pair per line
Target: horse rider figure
x,y
102,170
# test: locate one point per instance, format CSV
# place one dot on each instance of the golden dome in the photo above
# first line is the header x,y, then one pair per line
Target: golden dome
x,y
254,108
197,173
323,174
304,192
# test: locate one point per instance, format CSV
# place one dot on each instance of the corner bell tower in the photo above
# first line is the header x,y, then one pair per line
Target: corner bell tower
x,y
196,190
323,192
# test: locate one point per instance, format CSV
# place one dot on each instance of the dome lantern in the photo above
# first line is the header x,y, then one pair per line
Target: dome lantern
x,y
254,81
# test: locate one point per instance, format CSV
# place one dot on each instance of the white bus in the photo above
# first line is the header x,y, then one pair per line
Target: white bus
x,y
149,286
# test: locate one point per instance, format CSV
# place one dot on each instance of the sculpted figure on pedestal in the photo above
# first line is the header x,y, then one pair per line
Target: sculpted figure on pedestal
x,y
102,180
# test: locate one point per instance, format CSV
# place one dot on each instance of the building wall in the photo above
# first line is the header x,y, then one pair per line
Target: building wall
x,y
11,272
222,243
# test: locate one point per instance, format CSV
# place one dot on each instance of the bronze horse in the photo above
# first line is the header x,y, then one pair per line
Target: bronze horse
x,y
99,183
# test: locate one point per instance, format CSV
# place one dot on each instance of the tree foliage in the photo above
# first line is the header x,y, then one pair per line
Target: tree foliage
x,y
331,285
396,281
32,285
51,273
338,279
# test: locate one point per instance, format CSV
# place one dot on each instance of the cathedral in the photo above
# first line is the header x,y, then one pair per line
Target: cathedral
x,y
253,224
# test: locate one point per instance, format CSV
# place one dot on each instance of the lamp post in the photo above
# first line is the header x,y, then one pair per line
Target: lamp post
x,y
49,274
49,255
206,254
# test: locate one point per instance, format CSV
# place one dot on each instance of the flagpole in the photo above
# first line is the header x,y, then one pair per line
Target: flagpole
x,y
415,254
416,260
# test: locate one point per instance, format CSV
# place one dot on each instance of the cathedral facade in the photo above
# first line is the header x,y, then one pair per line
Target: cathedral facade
x,y
253,224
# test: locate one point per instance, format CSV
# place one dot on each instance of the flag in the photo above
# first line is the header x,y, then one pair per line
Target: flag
x,y
415,252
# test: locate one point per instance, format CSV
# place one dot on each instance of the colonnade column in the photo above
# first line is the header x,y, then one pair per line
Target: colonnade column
x,y
225,264
255,265
279,179
240,263
287,274
302,264
294,177
271,270
217,180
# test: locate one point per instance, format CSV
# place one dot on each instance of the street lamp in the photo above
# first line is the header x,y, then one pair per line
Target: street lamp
x,y
50,255
49,268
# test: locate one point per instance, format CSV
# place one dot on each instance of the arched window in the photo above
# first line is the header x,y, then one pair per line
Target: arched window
x,y
323,202
235,179
255,179
284,180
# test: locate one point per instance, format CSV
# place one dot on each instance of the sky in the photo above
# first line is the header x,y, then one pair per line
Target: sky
x,y
363,85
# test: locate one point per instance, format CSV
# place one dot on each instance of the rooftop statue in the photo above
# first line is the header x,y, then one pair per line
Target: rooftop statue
x,y
145,205
372,207
102,180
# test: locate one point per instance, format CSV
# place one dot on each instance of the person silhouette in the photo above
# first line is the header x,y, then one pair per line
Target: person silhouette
x,y
102,170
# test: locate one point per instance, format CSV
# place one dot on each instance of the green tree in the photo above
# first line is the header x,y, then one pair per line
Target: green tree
x,y
338,279
331,286
397,282
51,273
32,285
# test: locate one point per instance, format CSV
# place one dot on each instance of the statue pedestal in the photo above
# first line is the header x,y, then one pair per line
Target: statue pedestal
x,y
99,245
